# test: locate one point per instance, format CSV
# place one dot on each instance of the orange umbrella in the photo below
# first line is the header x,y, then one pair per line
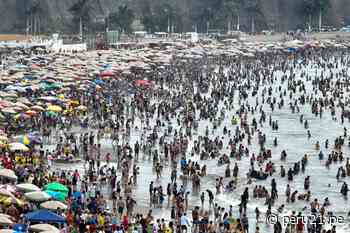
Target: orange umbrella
x,y
31,113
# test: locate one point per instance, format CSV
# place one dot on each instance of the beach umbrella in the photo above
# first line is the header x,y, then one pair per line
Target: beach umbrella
x,y
21,105
53,205
17,146
51,114
7,173
37,108
8,187
3,138
5,221
44,228
4,192
31,113
50,231
5,216
27,187
37,196
24,100
141,82
54,108
107,74
9,110
23,139
44,216
48,98
57,187
74,102
81,108
9,230
19,227
5,103
59,196
12,200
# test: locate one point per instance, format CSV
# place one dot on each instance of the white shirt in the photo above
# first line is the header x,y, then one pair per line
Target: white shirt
x,y
184,221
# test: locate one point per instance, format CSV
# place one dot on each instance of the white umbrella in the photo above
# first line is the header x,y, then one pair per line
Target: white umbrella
x,y
4,192
27,187
37,196
18,146
53,205
5,221
7,173
44,228
5,216
6,231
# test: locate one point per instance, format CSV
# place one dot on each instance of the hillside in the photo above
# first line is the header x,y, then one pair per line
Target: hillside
x,y
55,15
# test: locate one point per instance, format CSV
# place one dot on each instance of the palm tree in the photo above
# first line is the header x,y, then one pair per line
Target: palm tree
x,y
231,9
208,15
33,13
321,6
252,8
122,18
308,9
81,11
315,7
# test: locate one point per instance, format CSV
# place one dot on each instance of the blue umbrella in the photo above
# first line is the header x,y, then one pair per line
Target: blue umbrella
x,y
56,195
98,81
292,50
19,227
44,216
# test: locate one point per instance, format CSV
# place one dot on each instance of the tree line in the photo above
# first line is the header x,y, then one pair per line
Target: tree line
x,y
170,15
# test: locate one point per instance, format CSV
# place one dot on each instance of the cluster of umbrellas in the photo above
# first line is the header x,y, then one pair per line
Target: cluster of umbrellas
x,y
50,198
55,75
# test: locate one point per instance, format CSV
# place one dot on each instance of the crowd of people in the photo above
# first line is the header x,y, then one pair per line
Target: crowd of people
x,y
218,109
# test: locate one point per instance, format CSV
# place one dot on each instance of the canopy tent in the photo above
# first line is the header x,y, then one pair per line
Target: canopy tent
x,y
44,216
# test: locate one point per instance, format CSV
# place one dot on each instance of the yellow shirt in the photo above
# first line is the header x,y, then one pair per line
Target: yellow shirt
x,y
101,220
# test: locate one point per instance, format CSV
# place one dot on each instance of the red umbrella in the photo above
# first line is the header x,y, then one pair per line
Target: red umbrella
x,y
106,74
141,82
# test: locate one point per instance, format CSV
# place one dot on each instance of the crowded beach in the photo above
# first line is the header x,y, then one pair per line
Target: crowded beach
x,y
170,137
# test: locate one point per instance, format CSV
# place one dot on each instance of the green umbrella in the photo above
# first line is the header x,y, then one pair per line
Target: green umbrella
x,y
57,187
51,114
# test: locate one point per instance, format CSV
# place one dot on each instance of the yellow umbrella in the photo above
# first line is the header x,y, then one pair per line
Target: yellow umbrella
x,y
54,108
13,200
74,102
25,140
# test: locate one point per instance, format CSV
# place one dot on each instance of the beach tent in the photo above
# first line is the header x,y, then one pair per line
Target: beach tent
x,y
44,216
